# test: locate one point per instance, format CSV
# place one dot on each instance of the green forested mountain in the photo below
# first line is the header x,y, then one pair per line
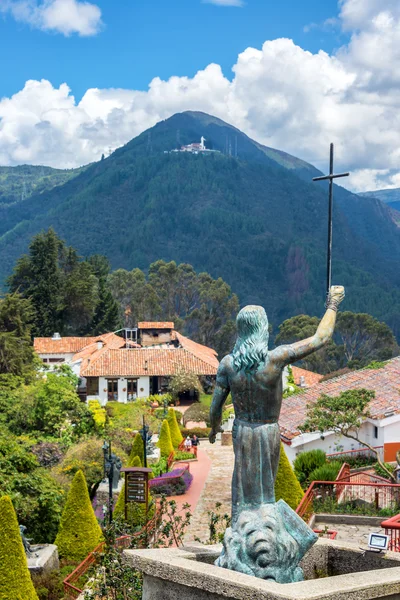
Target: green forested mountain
x,y
19,183
391,197
249,214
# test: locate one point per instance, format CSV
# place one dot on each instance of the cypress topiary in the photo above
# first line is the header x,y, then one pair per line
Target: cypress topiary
x,y
15,580
165,442
79,531
176,436
137,450
287,486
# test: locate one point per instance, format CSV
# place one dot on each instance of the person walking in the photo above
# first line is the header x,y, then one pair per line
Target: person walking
x,y
195,443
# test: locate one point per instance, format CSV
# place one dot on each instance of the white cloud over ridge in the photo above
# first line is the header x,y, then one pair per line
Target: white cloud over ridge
x,y
60,16
281,95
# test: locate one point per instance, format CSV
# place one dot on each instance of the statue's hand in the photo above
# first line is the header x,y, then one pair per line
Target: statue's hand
x,y
213,434
335,296
337,292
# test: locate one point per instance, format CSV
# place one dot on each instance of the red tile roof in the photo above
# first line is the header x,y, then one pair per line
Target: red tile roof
x,y
384,381
64,345
67,345
113,358
155,325
310,378
147,362
202,352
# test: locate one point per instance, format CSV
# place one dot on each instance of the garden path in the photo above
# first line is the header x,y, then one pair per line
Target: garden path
x,y
216,488
200,470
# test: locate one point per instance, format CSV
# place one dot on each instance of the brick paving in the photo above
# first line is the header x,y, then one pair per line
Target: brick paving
x,y
217,488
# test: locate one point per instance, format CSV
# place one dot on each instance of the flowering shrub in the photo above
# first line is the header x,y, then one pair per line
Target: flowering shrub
x,y
98,413
174,483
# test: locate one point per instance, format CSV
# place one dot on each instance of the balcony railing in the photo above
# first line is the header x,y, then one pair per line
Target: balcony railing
x,y
392,529
368,492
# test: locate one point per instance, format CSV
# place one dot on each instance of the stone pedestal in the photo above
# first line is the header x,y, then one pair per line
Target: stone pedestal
x,y
47,559
333,571
226,438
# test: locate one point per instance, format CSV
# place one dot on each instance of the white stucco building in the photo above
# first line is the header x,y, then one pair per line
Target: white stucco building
x,y
135,364
382,430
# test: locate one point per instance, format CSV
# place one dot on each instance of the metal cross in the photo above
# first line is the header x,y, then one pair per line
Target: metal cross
x,y
331,177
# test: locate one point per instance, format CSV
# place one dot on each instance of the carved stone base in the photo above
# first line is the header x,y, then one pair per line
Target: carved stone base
x,y
44,559
267,542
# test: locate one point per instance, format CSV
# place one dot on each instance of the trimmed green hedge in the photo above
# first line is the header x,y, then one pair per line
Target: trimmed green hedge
x,y
79,531
165,442
15,580
137,450
201,432
287,486
176,436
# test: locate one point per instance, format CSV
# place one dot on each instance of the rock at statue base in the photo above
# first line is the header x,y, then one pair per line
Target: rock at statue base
x,y
267,542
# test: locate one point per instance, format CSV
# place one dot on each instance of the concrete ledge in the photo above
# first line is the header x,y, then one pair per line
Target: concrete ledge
x,y
349,519
173,574
47,559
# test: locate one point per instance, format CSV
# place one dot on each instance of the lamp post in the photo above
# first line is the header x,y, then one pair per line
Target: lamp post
x,y
144,433
112,467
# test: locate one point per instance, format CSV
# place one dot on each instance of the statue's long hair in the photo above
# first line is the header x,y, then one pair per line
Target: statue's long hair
x,y
251,346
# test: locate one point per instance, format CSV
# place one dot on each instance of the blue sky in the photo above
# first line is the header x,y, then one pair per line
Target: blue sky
x,y
142,39
80,77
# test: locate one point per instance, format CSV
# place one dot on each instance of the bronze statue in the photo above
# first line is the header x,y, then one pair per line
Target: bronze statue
x,y
253,376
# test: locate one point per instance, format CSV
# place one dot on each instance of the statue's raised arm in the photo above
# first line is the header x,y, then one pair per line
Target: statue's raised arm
x,y
290,353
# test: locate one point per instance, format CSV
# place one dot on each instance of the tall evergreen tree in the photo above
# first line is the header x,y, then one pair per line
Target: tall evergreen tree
x,y
16,351
106,317
38,277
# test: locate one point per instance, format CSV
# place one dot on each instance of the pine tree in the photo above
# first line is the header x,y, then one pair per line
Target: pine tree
x,y
137,450
106,317
38,277
79,531
16,351
15,580
287,486
176,436
165,442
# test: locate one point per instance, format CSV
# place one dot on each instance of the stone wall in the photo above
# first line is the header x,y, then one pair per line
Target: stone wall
x,y
335,571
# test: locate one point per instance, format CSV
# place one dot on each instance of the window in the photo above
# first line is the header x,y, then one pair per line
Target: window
x,y
112,389
92,386
56,360
376,435
132,389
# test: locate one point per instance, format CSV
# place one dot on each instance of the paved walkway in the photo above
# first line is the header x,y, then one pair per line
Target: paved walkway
x,y
217,488
200,470
355,534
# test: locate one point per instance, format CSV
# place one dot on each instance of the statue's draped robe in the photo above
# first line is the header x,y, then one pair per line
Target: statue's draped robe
x,y
257,447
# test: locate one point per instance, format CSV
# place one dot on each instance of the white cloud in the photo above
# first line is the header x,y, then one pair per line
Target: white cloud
x,y
61,16
224,2
281,95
